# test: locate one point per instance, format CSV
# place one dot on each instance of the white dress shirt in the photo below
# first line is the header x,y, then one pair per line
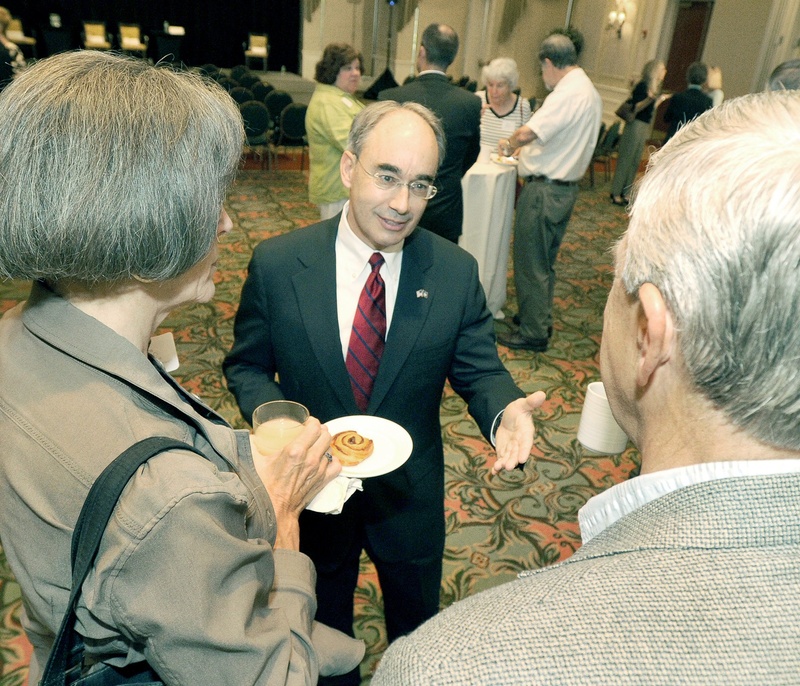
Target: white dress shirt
x,y
352,271
566,128
609,506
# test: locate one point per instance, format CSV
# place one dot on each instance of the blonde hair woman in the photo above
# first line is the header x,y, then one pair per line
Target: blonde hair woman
x,y
646,97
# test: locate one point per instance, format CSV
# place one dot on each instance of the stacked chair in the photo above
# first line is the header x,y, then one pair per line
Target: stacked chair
x,y
95,36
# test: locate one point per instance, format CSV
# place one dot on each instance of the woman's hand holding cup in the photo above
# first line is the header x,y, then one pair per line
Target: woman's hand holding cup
x,y
290,456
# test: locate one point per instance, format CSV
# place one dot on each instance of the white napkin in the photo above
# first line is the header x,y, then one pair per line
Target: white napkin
x,y
331,499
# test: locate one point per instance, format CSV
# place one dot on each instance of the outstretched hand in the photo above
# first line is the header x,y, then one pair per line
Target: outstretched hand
x,y
514,436
295,476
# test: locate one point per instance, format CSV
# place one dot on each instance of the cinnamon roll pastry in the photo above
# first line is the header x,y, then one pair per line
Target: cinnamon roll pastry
x,y
351,447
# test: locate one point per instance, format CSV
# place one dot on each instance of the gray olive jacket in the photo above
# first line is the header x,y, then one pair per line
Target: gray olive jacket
x,y
186,576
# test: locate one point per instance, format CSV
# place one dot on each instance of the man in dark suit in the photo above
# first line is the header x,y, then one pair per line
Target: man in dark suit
x,y
460,114
691,103
293,339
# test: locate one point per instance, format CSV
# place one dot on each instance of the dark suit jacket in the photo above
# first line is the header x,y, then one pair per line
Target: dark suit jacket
x,y
287,325
683,107
460,112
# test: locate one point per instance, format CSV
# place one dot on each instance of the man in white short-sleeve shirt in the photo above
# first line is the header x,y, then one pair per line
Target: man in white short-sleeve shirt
x,y
555,148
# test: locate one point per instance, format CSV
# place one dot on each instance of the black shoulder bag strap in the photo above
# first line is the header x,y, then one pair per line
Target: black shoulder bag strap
x,y
65,663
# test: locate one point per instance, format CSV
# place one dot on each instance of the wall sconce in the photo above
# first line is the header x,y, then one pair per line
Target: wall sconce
x,y
616,17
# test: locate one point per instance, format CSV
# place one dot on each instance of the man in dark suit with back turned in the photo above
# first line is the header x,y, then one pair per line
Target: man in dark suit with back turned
x,y
460,113
691,103
300,305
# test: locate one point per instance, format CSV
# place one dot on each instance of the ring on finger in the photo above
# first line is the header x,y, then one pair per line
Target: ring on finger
x,y
329,456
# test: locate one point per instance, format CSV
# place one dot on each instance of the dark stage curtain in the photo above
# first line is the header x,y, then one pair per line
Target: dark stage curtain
x,y
215,31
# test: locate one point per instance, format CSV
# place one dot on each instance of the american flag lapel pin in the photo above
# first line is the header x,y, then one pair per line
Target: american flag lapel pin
x,y
422,293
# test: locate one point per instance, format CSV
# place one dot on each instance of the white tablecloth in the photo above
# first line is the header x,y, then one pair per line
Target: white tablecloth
x,y
486,234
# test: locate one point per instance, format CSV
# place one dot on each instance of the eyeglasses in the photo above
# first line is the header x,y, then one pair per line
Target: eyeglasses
x,y
389,182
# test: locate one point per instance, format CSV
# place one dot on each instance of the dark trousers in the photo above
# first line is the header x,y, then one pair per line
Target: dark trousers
x,y
410,588
543,212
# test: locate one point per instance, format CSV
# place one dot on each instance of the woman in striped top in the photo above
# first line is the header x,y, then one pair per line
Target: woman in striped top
x,y
504,111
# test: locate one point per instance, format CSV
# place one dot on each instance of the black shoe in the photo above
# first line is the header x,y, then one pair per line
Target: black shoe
x,y
517,322
622,201
517,341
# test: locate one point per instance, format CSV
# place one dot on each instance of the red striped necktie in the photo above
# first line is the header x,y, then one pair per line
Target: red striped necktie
x,y
368,335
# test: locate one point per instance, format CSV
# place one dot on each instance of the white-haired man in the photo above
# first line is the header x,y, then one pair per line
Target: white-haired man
x,y
690,572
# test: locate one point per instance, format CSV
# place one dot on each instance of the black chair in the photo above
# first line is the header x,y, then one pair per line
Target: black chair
x,y
248,80
241,94
257,125
210,70
261,90
292,129
238,71
226,83
604,150
276,102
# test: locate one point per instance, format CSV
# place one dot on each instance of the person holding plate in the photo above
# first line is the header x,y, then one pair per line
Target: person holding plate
x,y
115,172
368,314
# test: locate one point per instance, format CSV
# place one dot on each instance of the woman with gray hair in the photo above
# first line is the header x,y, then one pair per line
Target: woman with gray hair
x,y
646,98
114,177
504,111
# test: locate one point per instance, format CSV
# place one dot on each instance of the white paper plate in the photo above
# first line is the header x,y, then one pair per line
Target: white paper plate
x,y
393,444
507,161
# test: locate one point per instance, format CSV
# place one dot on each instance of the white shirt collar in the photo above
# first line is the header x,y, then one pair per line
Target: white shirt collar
x,y
432,71
605,509
353,254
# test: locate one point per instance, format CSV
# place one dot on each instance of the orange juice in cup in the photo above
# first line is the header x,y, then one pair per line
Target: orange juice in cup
x,y
276,424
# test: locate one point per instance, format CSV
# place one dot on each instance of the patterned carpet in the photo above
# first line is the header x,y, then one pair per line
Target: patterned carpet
x,y
496,525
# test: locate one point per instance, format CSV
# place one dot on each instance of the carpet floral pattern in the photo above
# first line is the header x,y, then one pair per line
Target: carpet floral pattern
x,y
496,525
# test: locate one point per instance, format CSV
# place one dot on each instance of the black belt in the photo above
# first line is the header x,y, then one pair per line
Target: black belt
x,y
545,179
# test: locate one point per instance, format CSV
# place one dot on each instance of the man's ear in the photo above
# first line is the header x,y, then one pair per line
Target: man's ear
x,y
346,166
656,333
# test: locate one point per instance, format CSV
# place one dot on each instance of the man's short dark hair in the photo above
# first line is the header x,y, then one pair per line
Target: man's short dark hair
x,y
573,34
441,45
697,74
785,77
560,50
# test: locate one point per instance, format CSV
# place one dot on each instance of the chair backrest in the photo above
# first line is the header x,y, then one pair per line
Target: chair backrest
x,y
210,70
257,43
95,32
261,90
256,118
248,80
14,30
598,147
226,83
239,71
130,36
276,101
241,94
612,138
293,123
